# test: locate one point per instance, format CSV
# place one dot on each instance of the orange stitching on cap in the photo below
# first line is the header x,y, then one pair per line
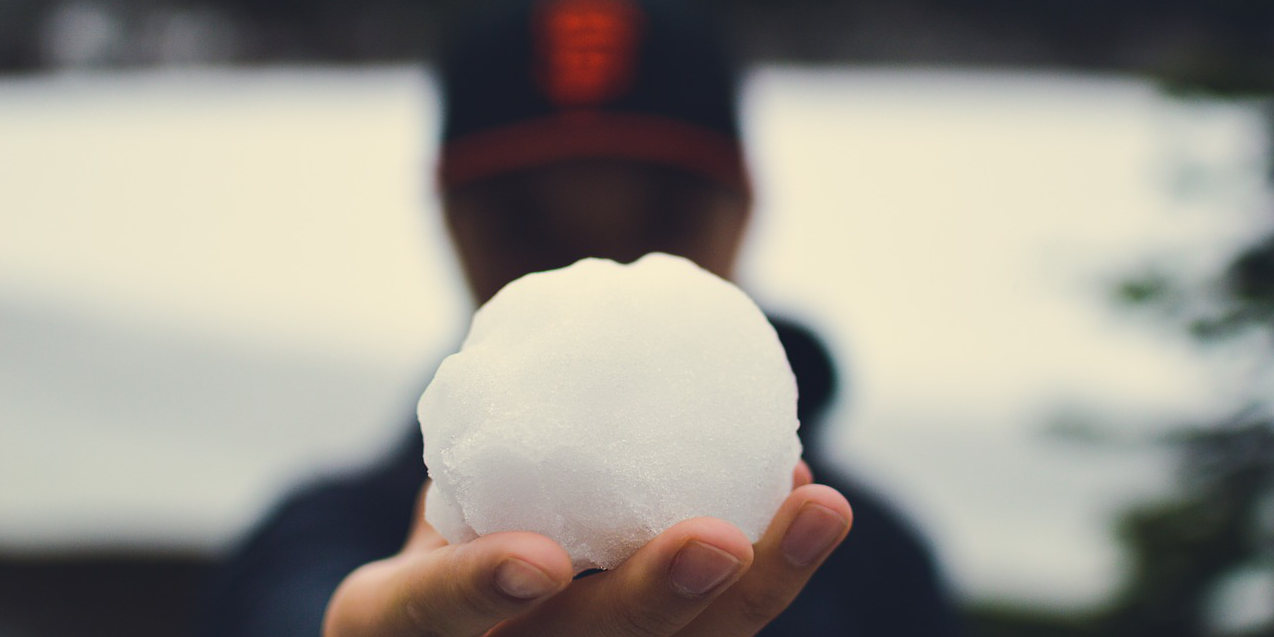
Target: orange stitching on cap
x,y
586,50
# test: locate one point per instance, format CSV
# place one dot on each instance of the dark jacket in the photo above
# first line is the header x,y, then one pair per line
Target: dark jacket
x,y
881,581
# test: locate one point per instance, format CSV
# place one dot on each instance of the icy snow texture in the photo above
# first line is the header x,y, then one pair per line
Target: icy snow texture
x,y
601,403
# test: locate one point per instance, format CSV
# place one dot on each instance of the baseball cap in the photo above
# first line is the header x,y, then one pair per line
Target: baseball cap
x,y
534,82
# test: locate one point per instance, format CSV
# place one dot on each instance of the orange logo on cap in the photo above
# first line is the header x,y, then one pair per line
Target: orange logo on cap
x,y
586,50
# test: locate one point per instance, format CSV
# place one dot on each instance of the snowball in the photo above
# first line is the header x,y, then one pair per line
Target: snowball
x,y
601,403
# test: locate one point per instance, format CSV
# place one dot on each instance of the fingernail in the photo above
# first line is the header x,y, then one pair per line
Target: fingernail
x,y
520,580
812,533
699,568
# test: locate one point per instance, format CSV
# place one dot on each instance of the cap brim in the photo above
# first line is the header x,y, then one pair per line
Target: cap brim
x,y
593,134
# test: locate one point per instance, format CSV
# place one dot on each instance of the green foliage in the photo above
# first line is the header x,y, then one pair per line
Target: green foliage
x,y
1146,289
1251,279
1183,549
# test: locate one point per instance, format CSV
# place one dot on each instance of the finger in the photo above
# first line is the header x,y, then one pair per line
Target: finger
x,y
456,590
811,523
660,589
801,475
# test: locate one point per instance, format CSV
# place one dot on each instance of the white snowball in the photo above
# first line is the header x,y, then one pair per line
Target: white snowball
x,y
601,403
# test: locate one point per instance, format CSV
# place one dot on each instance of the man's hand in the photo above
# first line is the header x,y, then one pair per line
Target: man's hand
x,y
700,577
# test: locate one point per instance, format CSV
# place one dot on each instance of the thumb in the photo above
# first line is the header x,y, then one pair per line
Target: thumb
x,y
455,590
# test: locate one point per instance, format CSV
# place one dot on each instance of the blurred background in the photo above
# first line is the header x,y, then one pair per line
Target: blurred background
x,y
1038,234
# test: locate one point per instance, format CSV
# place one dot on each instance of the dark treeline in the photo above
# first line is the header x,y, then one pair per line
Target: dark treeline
x,y
1226,46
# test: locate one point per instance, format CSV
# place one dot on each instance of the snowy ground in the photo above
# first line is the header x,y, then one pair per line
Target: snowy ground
x,y
214,283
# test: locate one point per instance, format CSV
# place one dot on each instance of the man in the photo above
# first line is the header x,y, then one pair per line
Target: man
x,y
578,128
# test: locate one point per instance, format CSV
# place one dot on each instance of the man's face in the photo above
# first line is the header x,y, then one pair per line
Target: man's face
x,y
552,216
